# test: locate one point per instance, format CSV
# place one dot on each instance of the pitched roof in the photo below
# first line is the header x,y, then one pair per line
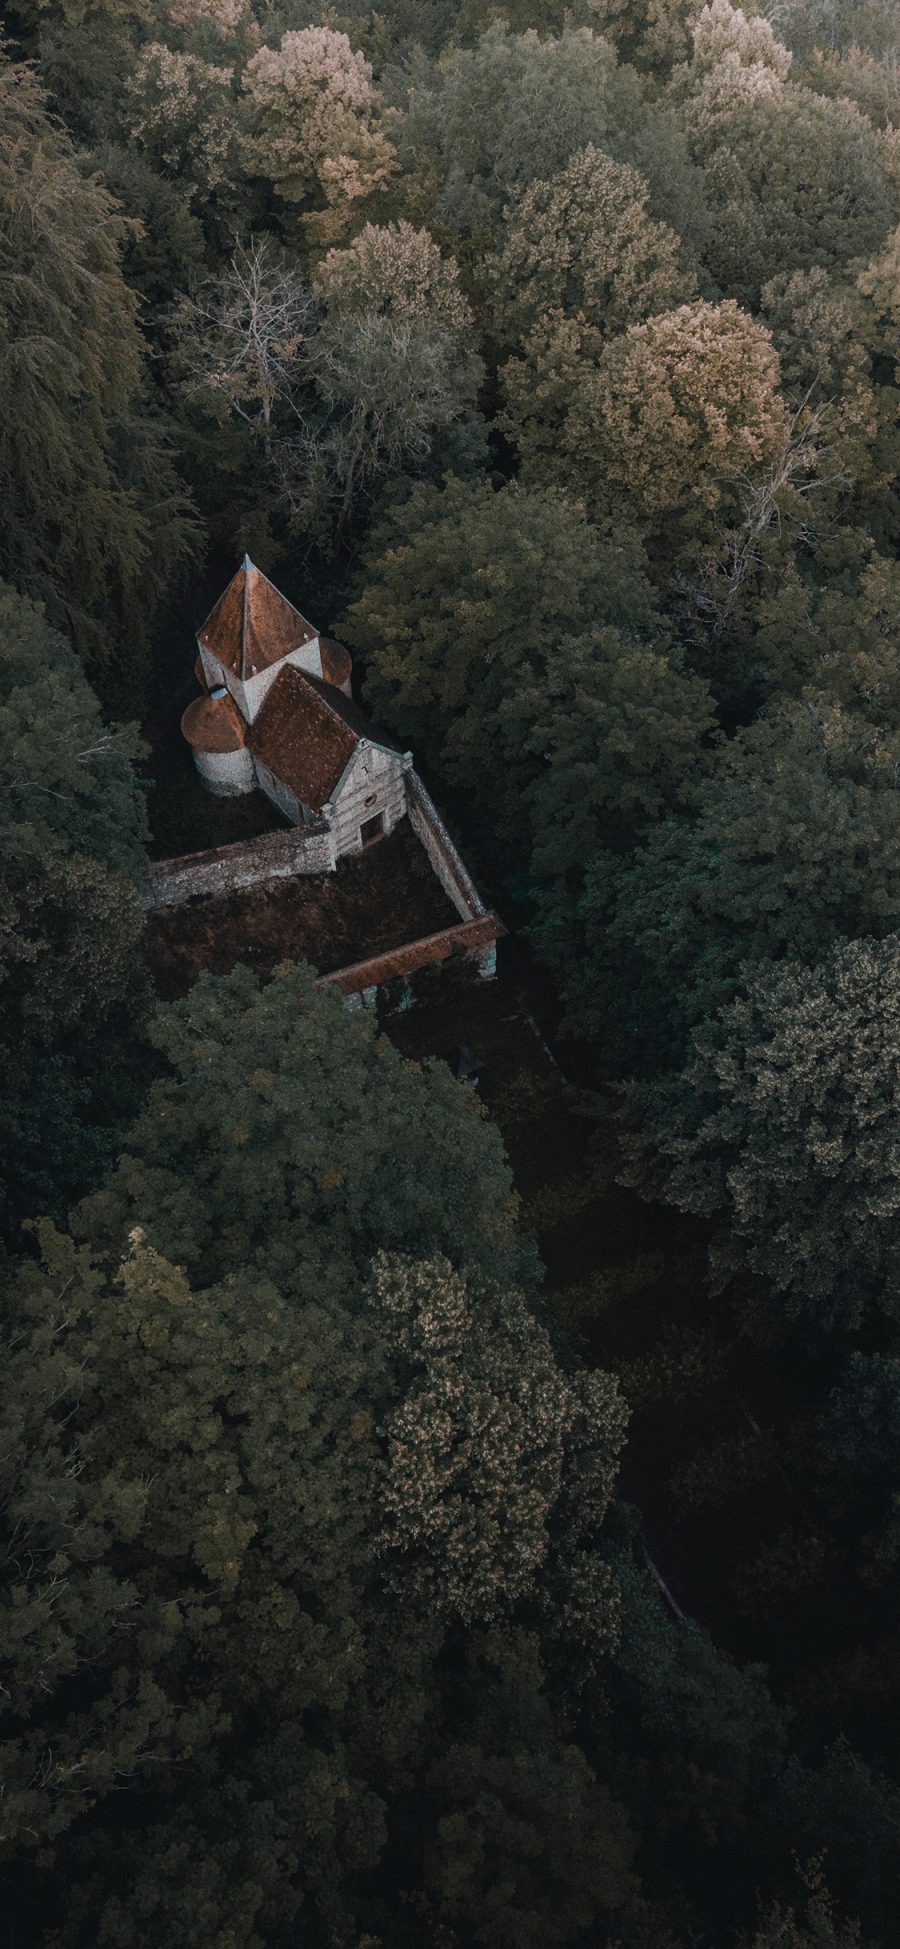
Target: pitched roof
x,y
350,713
303,736
214,724
252,625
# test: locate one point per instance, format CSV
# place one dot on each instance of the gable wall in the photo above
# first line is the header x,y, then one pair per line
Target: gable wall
x,y
279,793
249,695
216,673
375,781
308,657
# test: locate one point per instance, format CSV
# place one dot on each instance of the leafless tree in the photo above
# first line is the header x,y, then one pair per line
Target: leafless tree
x,y
244,335
800,473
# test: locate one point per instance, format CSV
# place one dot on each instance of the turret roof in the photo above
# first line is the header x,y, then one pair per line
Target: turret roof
x,y
253,625
214,724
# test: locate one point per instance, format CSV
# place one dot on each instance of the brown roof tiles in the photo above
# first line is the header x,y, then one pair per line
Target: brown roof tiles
x,y
337,663
252,625
214,724
302,735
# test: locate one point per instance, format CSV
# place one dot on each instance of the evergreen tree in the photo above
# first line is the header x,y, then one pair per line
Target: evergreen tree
x,y
73,989
94,519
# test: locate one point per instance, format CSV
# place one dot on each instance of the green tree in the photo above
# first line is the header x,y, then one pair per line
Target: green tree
x,y
95,522
793,844
859,1436
72,986
847,1811
526,1847
695,1742
483,122
348,382
781,1126
585,243
204,1651
391,367
792,179
288,1136
479,609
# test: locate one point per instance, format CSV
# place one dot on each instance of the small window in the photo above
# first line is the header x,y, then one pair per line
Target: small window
x,y
371,798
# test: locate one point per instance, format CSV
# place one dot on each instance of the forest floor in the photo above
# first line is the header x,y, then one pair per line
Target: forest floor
x,y
374,902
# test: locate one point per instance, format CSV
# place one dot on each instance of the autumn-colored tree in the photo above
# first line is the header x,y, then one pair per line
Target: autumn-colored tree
x,y
183,113
585,243
316,128
813,1925
676,415
223,17
398,272
879,285
481,1456
859,76
727,41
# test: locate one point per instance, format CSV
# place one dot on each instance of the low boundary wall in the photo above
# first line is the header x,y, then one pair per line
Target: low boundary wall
x,y
248,863
476,936
308,849
446,861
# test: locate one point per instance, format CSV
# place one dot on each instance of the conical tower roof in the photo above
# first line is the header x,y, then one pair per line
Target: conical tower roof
x,y
253,625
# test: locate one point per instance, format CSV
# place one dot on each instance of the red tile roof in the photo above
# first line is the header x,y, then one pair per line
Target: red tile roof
x,y
337,663
214,724
303,736
252,625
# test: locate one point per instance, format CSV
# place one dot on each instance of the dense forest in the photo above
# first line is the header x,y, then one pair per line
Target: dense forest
x,y
365,1587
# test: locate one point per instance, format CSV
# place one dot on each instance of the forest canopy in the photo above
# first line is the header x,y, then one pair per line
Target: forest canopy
x,y
422,1533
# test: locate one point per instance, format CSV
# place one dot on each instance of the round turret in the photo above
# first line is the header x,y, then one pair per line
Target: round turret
x,y
337,664
217,735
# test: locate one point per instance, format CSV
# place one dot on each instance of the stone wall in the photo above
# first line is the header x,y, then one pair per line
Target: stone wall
x,y
225,869
373,783
447,863
478,937
279,793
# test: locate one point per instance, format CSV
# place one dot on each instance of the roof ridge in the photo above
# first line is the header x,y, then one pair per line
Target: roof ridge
x,y
247,567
